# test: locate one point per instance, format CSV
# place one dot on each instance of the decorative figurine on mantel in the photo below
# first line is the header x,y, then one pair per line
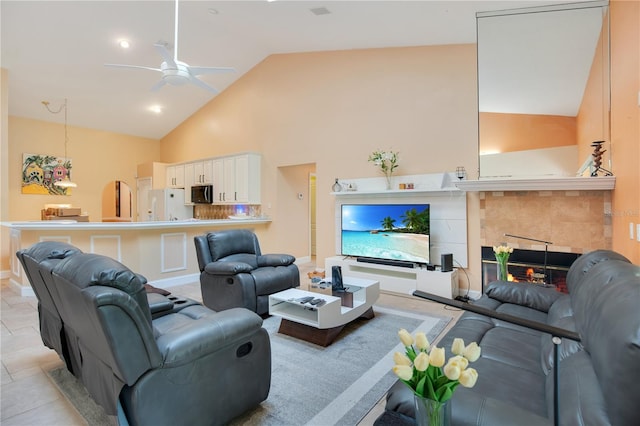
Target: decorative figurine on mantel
x,y
597,159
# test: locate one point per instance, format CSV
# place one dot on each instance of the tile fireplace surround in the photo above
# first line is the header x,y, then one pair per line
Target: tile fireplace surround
x,y
574,221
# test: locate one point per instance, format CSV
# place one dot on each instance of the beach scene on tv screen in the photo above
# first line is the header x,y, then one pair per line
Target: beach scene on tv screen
x,y
386,231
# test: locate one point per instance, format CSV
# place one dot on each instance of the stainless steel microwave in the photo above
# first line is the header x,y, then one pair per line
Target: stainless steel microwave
x,y
202,194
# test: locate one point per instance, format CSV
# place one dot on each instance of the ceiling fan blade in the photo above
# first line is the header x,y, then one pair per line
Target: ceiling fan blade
x,y
158,85
209,70
203,85
132,66
162,50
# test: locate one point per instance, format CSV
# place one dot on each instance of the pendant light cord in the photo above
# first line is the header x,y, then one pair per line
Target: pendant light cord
x,y
63,106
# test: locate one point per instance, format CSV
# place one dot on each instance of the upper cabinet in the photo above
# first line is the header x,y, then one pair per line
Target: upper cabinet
x,y
203,172
197,173
175,176
236,179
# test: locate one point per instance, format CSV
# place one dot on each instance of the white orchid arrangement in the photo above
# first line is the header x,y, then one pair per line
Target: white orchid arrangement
x,y
387,161
424,370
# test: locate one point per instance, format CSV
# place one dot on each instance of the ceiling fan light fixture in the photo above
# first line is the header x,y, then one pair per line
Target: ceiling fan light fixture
x,y
175,78
174,72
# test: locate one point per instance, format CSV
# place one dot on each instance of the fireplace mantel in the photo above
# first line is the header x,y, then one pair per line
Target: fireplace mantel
x,y
602,183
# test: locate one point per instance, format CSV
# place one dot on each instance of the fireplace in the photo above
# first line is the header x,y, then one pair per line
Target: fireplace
x,y
529,266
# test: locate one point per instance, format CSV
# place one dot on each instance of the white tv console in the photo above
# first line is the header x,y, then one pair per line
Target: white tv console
x,y
396,279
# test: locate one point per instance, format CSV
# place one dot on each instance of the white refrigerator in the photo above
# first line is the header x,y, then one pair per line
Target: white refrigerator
x,y
168,204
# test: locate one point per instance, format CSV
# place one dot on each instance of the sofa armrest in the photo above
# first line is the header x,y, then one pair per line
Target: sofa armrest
x,y
534,325
275,260
198,331
533,296
158,303
227,268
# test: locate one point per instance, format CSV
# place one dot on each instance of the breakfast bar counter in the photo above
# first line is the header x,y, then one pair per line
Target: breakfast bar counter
x,y
164,252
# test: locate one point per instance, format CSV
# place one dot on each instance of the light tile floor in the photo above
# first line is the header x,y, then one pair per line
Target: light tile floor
x,y
29,398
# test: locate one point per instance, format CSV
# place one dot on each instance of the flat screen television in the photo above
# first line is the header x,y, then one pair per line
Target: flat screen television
x,y
388,232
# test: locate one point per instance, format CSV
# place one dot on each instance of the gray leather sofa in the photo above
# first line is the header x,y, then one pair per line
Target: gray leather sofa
x,y
234,272
191,366
599,377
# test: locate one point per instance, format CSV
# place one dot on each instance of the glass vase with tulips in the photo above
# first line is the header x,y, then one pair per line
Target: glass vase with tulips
x,y
432,379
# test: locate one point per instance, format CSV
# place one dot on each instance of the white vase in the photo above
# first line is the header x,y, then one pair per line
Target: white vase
x,y
336,186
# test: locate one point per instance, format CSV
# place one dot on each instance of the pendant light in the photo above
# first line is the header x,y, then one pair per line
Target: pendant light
x,y
66,182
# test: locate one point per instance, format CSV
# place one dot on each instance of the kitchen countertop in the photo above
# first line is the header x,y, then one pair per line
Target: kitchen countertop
x,y
72,225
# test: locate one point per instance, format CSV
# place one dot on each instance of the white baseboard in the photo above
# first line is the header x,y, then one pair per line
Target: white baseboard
x,y
20,289
301,260
174,281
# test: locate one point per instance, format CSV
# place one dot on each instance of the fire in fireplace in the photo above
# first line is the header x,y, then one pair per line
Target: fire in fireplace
x,y
529,266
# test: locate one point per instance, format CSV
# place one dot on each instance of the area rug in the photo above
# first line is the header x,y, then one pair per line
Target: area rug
x,y
311,385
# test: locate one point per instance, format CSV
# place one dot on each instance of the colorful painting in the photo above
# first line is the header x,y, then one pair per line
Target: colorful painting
x,y
40,172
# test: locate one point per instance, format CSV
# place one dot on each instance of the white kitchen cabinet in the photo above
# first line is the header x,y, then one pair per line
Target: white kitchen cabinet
x,y
236,179
247,178
197,173
175,176
218,180
203,172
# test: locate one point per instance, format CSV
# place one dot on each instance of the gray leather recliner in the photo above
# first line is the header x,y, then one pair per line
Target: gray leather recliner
x,y
234,272
37,262
194,366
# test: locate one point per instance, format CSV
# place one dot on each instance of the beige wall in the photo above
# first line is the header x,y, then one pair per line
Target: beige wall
x,y
593,119
518,132
332,109
98,159
625,124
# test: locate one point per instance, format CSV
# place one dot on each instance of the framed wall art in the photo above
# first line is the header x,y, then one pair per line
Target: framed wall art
x,y
41,172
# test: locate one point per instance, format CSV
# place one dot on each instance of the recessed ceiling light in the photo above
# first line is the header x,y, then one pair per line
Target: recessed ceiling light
x,y
213,11
124,44
155,108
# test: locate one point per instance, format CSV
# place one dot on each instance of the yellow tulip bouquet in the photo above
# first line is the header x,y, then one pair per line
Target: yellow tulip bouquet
x,y
502,257
424,370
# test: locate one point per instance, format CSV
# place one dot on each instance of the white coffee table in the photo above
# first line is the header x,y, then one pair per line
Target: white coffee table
x,y
322,325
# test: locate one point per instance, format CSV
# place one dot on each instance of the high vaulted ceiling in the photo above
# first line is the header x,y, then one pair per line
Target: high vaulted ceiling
x,y
57,49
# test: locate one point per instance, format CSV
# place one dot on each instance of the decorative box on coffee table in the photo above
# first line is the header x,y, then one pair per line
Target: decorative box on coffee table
x,y
323,324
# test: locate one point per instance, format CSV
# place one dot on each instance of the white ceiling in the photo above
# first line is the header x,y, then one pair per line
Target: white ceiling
x,y
57,49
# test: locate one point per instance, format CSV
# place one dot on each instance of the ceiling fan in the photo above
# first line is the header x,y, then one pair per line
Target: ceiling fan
x,y
175,72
